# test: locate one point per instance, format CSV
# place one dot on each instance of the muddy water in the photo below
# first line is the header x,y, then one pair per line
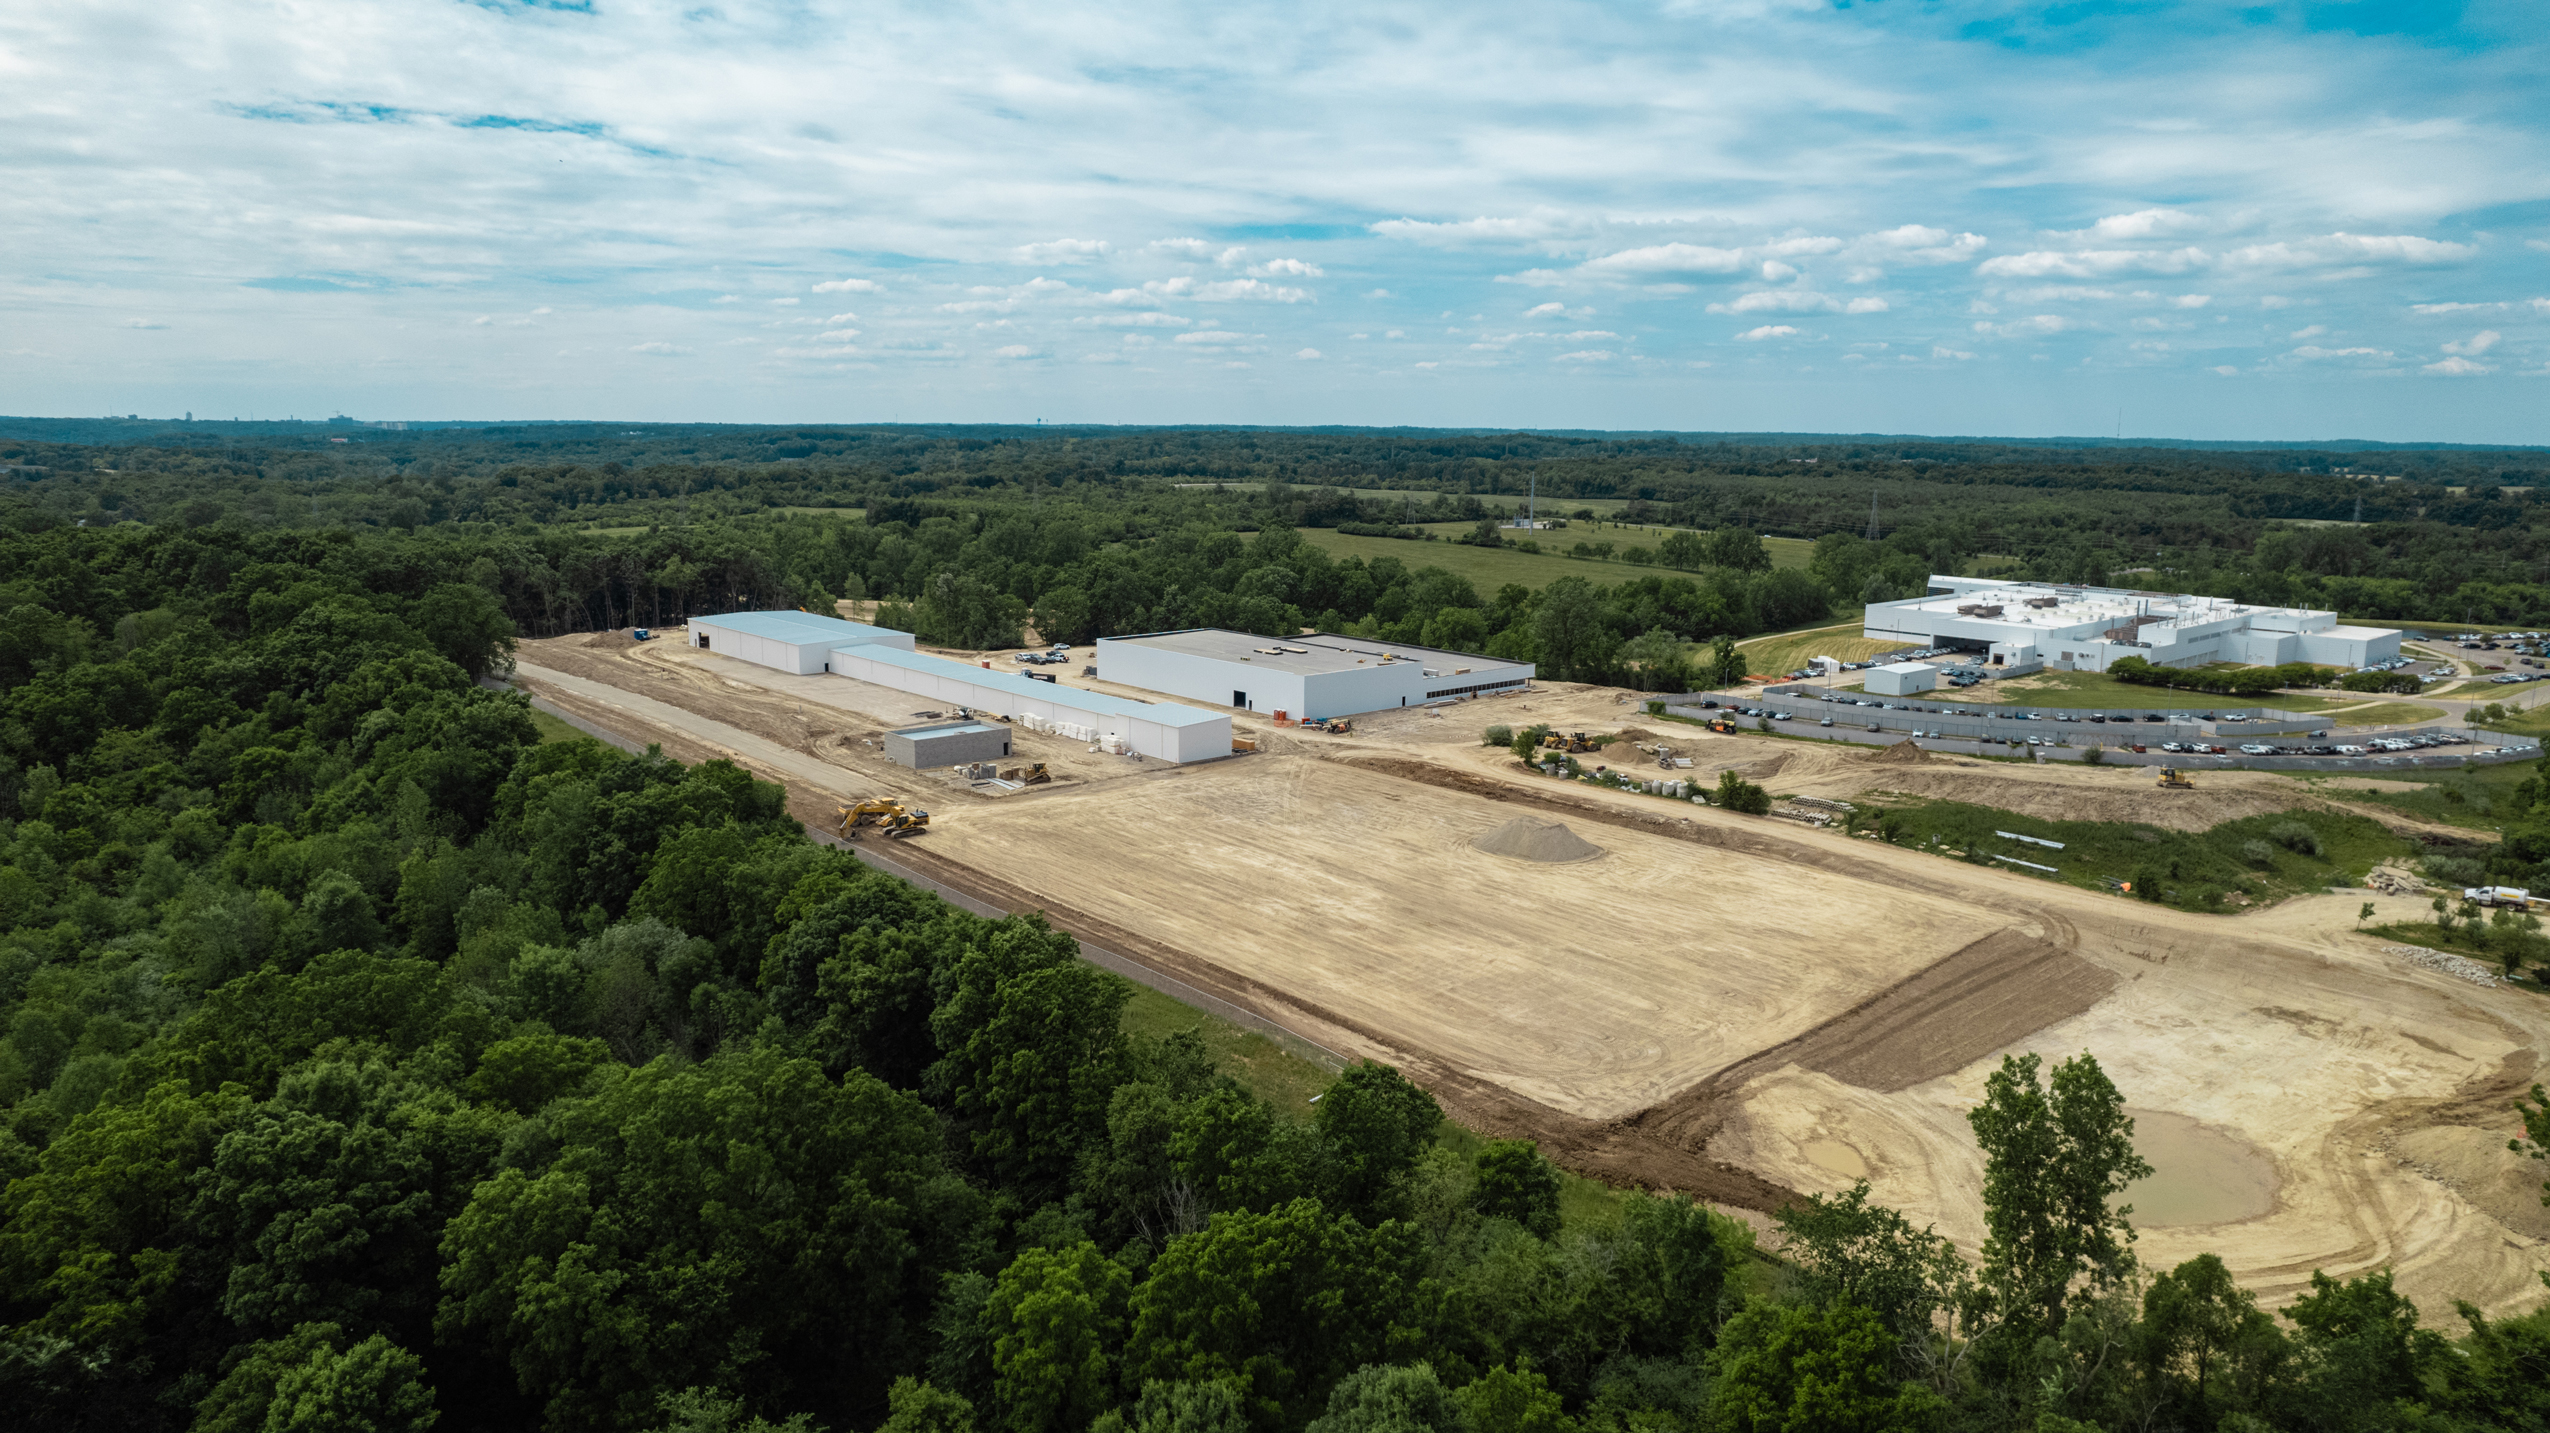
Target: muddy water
x,y
1833,1155
2200,1174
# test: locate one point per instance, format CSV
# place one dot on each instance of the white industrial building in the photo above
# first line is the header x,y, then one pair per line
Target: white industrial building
x,y
799,642
2084,629
805,644
1310,677
1901,679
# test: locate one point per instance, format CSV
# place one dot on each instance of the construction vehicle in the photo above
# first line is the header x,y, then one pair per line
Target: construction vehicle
x,y
886,814
1573,741
641,635
1334,726
2171,778
1036,776
1723,727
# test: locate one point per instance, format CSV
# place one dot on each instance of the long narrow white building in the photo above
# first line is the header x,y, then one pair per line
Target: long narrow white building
x,y
2083,629
805,644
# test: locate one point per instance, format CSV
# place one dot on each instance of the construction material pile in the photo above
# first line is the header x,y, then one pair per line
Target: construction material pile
x,y
1529,838
2392,882
1900,753
2455,966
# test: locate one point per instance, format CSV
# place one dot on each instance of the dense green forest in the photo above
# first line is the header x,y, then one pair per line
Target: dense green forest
x,y
372,1064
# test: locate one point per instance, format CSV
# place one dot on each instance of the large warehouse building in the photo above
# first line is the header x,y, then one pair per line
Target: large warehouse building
x,y
2083,629
799,642
1317,676
805,644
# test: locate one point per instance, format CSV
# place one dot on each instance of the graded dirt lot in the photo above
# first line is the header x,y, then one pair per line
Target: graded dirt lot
x,y
1744,1007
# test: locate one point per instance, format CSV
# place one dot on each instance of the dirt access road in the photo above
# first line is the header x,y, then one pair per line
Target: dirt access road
x,y
1743,1008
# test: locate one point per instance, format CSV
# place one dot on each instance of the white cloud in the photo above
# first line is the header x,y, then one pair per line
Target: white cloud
x,y
838,335
659,349
143,323
1192,250
2225,369
2314,331
1377,294
2092,263
1588,335
2317,354
1941,351
1768,330
2476,344
2191,300
2035,325
2143,224
2433,310
836,318
1061,251
2459,368
1540,225
849,286
2539,305
1015,350
1148,318
1586,355
1225,291
2344,248
1287,269
1309,353
1215,337
784,303
2275,301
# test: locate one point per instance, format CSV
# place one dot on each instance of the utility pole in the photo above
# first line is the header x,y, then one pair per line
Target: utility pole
x,y
2359,507
1872,514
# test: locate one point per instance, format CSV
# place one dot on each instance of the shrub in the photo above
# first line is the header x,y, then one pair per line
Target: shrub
x,y
2258,853
1497,736
2294,836
2094,756
2454,871
1737,794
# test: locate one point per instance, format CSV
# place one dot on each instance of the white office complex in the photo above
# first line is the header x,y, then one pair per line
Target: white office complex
x,y
2084,629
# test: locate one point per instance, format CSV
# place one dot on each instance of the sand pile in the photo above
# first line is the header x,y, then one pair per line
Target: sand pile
x,y
1636,733
1901,753
1529,838
606,639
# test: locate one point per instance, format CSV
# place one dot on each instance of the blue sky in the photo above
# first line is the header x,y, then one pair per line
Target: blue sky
x,y
2288,219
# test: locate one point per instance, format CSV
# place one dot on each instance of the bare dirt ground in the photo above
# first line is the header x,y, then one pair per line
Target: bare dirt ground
x,y
1744,1008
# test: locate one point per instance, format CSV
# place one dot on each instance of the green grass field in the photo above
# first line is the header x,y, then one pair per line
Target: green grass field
x,y
2078,690
2469,796
1786,652
1490,568
2202,871
552,729
1262,1064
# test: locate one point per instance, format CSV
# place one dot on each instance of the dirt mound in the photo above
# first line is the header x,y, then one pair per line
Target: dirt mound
x,y
1636,733
1900,754
2476,1164
1529,838
604,639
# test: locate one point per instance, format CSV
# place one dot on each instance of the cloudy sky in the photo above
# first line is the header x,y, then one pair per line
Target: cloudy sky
x,y
2284,219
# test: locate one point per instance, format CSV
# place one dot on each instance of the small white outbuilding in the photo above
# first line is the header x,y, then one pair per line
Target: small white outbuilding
x,y
1902,679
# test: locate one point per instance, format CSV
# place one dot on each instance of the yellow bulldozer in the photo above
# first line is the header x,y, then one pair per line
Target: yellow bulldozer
x,y
1569,742
1028,775
886,814
2173,779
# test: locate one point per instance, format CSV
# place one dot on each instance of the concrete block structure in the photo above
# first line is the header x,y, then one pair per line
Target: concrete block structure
x,y
1901,679
948,743
799,642
1304,677
2084,629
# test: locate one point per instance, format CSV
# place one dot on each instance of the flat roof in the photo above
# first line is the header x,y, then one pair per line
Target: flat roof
x,y
1907,669
947,728
1164,713
1317,653
803,629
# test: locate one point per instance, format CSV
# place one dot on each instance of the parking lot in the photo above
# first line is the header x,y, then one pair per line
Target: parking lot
x,y
2201,736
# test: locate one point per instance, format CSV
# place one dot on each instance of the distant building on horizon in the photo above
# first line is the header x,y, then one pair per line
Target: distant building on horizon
x,y
2084,629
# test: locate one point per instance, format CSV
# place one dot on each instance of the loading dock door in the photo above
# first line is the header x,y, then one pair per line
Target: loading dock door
x,y
1240,700
703,639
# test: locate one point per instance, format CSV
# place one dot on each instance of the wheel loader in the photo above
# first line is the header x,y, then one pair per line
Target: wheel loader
x,y
2172,779
886,814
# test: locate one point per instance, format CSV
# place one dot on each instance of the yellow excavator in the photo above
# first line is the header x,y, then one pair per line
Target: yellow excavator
x,y
2173,779
886,814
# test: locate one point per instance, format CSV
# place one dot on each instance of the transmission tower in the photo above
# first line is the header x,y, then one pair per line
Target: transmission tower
x,y
1872,515
2359,507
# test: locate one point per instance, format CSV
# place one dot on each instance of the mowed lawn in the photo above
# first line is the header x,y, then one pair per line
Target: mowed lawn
x,y
1789,651
2081,690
